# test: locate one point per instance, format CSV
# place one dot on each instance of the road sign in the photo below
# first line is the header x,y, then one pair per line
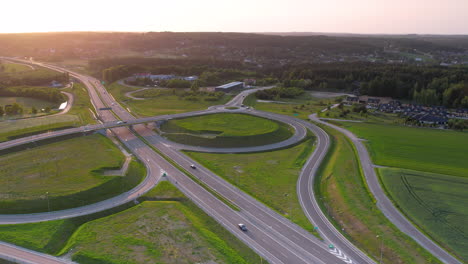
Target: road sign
x,y
103,82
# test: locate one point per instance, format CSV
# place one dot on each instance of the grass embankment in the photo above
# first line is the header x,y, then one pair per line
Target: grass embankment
x,y
343,195
226,130
435,202
270,177
165,228
300,107
162,102
79,115
421,149
62,175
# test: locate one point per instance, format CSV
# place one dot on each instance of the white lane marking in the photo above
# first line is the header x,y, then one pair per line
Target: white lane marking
x,y
340,255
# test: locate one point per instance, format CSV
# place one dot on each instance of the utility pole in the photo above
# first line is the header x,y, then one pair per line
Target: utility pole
x,y
48,203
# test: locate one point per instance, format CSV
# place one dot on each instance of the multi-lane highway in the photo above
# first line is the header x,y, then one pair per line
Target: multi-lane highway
x,y
272,236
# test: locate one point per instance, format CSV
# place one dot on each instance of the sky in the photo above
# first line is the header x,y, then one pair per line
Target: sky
x,y
339,16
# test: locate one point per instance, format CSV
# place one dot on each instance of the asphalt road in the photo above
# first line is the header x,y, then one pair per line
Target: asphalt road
x,y
271,235
385,204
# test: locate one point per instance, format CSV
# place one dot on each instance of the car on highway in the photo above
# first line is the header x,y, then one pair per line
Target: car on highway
x,y
242,227
193,166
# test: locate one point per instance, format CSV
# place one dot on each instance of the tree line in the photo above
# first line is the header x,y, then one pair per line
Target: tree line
x,y
45,93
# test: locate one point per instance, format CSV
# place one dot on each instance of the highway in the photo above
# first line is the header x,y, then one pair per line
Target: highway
x,y
272,236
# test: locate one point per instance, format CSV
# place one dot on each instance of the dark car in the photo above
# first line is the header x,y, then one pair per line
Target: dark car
x,y
193,166
242,227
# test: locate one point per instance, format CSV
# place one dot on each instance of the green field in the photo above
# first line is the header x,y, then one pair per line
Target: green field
x,y
300,107
167,102
165,228
270,177
343,195
226,130
421,149
67,173
435,202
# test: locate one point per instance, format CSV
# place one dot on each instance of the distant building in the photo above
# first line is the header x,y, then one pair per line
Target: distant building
x,y
229,87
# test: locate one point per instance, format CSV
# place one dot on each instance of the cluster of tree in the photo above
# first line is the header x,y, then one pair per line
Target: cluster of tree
x,y
44,93
17,109
424,84
34,78
198,95
175,83
279,92
211,74
458,124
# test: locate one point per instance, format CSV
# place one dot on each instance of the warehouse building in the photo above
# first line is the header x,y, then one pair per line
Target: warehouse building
x,y
229,87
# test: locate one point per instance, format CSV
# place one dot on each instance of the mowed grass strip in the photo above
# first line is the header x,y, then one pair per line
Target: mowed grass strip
x,y
167,102
63,174
435,202
165,227
343,196
421,149
270,177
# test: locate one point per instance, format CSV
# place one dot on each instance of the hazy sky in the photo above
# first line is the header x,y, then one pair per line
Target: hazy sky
x,y
350,16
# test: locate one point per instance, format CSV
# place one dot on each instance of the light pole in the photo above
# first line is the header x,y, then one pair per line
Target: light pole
x,y
381,247
48,204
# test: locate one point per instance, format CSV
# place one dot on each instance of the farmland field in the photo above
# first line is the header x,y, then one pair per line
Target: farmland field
x,y
270,177
435,202
65,174
166,102
342,194
165,227
226,130
421,149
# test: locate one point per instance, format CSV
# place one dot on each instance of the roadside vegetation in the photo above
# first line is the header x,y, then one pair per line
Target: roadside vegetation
x,y
164,101
63,174
270,177
226,130
342,193
300,106
435,202
358,113
165,227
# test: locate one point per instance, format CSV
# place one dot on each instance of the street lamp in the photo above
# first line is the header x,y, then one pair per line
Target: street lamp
x,y
381,247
